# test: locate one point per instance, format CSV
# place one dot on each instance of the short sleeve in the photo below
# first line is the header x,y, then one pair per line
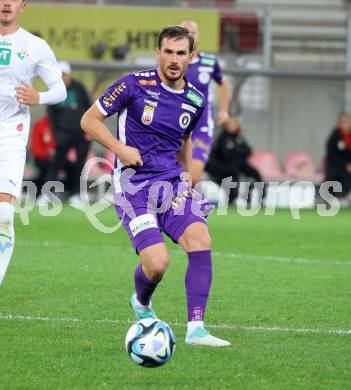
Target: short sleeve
x,y
194,122
217,74
47,67
116,97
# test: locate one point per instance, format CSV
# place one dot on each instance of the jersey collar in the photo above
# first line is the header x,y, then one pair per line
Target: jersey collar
x,y
169,89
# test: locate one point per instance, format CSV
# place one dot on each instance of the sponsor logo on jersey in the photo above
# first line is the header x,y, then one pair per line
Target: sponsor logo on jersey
x,y
189,107
5,43
112,96
151,103
142,222
154,94
144,74
207,61
194,97
148,115
184,120
5,56
19,127
22,54
207,55
148,82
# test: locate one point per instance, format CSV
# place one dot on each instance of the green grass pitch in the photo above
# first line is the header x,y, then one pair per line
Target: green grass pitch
x,y
281,294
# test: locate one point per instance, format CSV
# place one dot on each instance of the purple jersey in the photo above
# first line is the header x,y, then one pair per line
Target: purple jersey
x,y
200,72
153,118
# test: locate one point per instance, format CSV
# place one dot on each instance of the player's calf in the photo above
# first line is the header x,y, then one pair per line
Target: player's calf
x,y
7,236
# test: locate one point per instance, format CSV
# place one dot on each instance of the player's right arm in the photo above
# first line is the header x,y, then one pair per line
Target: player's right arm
x,y
115,99
92,123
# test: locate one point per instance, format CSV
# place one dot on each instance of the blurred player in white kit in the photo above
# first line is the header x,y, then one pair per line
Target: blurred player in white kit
x,y
23,56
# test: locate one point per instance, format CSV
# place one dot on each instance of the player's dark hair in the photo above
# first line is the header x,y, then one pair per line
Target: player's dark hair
x,y
176,32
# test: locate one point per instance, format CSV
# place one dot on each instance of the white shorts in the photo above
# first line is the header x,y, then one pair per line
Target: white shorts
x,y
12,160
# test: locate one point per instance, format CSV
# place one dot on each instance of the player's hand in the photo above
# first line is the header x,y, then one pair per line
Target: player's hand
x,y
222,117
26,94
129,156
348,168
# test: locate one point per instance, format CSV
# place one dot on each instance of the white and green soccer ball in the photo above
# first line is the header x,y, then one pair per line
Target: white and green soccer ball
x,y
150,343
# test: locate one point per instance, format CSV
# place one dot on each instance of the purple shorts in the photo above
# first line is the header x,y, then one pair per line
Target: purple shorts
x,y
201,146
168,206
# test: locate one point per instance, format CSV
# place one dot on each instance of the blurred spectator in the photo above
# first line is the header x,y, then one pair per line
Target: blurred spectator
x,y
65,119
338,166
229,157
43,144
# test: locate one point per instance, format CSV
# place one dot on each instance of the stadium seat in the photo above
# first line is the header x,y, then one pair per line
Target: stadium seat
x,y
267,165
299,165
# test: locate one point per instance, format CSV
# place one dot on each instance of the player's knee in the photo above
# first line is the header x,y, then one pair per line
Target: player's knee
x,y
157,266
202,243
196,242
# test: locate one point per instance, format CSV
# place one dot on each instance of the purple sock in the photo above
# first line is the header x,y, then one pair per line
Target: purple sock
x,y
198,280
143,286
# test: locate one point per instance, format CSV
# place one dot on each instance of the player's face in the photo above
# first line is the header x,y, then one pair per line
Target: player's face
x,y
193,30
231,126
174,58
10,11
345,123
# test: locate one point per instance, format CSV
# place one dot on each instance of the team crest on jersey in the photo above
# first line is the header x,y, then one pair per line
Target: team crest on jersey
x,y
204,78
184,120
22,54
148,115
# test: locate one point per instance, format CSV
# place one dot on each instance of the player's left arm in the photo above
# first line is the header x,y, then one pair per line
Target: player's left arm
x,y
185,155
27,94
49,71
223,90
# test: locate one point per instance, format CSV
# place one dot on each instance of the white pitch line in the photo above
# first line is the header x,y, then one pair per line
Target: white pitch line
x,y
283,259
238,256
277,329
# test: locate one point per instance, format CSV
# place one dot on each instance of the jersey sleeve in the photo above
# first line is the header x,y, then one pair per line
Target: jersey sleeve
x,y
198,114
116,97
217,74
47,67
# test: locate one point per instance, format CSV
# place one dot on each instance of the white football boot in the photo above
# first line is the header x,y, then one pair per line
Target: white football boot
x,y
200,336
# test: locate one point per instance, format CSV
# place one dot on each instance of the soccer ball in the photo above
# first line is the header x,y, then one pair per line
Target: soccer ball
x,y
150,343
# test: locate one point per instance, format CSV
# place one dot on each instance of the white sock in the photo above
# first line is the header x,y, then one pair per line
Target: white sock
x,y
192,325
7,236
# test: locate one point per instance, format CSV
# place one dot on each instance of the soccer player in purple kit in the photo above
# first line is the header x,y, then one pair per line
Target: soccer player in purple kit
x,y
157,110
202,69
